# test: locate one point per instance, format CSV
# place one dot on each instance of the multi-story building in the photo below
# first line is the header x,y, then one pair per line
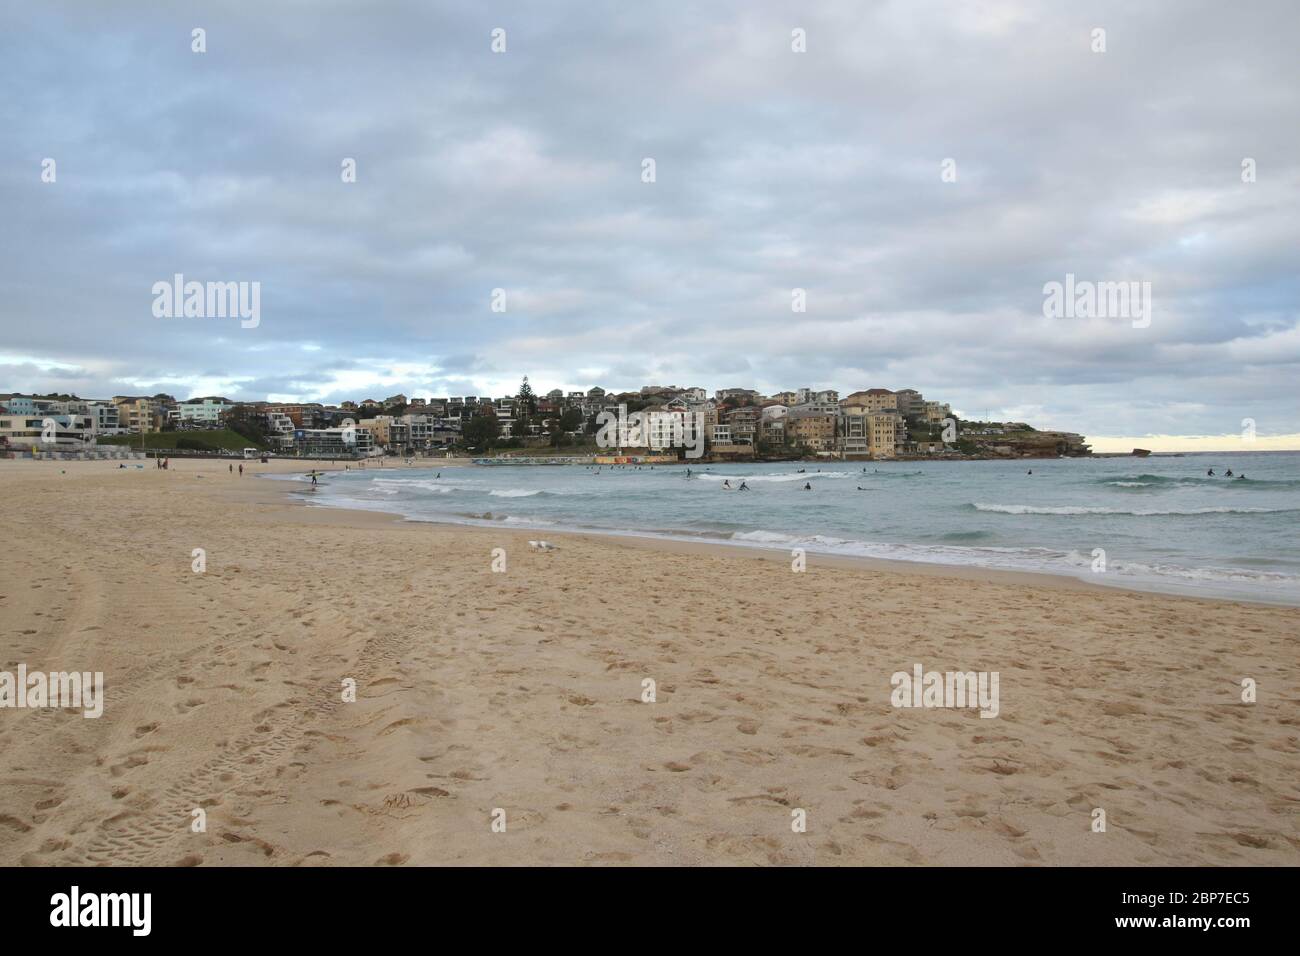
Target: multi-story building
x,y
871,400
854,433
744,423
908,402
817,407
106,417
718,434
771,424
935,412
809,427
279,428
380,427
206,414
47,432
882,433
342,442
139,414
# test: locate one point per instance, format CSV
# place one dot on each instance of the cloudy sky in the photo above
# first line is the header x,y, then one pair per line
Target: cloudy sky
x,y
774,170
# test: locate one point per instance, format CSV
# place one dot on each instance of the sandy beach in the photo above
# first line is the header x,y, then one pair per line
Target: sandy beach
x,y
521,692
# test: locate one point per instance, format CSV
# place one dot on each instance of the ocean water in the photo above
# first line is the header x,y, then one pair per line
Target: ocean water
x,y
1163,524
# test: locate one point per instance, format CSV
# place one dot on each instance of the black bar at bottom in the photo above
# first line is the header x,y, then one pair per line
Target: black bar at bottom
x,y
331,904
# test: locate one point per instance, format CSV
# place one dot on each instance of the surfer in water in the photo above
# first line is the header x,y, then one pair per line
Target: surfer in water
x,y
726,483
807,486
743,486
1228,473
1210,473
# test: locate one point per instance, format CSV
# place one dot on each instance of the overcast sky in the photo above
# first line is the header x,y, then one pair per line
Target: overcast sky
x,y
774,170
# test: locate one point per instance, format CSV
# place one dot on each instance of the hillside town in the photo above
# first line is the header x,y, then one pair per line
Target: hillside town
x,y
733,423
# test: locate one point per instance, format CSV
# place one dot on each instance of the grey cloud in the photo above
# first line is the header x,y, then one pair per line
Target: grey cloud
x,y
775,170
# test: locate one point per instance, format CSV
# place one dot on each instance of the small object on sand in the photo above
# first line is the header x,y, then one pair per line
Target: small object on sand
x,y
542,546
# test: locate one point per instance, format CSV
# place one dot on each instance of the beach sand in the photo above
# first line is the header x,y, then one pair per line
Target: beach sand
x,y
522,691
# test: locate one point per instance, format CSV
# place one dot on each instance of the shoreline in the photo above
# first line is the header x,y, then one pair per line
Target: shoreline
x,y
671,543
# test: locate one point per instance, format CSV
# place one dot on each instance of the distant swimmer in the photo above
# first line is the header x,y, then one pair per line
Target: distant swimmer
x,y
1030,472
807,486
1241,477
438,475
1228,473
726,483
743,486
1210,472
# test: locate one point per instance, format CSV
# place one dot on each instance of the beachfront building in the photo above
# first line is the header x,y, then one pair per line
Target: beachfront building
x,y
853,437
138,415
718,434
341,442
426,432
883,432
106,417
380,428
279,428
204,414
807,426
771,425
744,423
47,432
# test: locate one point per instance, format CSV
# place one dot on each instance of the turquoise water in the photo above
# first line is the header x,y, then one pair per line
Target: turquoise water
x,y
1162,523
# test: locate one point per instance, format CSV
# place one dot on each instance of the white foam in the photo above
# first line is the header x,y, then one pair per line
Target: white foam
x,y
1139,512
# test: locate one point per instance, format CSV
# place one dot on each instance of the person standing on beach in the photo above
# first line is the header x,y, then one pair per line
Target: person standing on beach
x,y
241,470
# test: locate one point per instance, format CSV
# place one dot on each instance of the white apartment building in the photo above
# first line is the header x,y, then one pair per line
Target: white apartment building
x,y
47,432
206,413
